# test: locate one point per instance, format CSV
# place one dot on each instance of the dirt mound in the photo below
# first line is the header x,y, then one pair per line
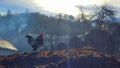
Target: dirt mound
x,y
86,57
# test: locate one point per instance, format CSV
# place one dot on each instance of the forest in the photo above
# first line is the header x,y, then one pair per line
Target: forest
x,y
62,31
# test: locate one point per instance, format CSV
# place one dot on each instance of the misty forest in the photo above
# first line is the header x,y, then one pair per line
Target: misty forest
x,y
84,34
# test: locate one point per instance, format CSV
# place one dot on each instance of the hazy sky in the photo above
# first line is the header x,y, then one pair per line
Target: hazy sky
x,y
53,6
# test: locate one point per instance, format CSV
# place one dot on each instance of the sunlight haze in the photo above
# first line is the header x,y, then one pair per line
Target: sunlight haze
x,y
65,6
51,7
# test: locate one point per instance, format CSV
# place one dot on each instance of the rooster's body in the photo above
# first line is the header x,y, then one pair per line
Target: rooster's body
x,y
35,43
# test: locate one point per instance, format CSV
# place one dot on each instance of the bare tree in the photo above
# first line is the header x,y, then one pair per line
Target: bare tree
x,y
106,14
82,17
9,13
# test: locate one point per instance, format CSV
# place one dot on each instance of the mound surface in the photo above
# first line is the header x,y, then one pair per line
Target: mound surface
x,y
86,57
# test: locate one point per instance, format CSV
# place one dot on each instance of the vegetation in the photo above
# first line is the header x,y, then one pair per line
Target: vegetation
x,y
86,57
63,28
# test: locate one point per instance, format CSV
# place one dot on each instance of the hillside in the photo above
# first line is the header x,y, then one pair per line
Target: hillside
x,y
86,57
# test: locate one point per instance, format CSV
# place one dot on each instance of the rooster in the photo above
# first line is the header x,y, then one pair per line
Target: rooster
x,y
35,43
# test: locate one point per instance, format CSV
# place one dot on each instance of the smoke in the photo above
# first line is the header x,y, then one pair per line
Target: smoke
x,y
22,26
11,30
2,27
22,23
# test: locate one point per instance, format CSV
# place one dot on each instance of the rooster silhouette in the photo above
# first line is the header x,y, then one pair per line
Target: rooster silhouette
x,y
35,43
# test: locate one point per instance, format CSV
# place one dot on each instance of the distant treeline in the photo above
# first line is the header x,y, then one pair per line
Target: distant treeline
x,y
14,27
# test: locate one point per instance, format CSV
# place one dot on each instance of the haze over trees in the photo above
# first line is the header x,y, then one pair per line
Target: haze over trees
x,y
59,28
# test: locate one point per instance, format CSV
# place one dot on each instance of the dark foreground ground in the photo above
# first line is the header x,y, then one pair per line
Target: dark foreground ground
x,y
83,58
